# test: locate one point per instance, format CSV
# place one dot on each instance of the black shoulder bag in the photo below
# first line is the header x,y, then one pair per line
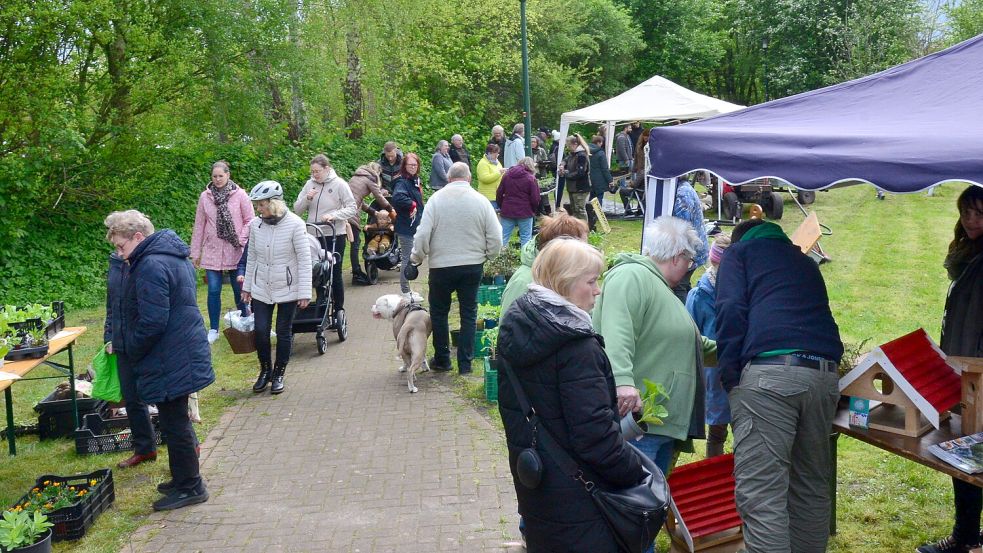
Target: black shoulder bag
x,y
634,514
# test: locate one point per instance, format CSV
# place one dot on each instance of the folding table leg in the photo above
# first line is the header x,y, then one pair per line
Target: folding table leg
x,y
834,439
71,381
9,400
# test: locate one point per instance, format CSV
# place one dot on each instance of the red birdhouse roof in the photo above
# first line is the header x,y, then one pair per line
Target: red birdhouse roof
x,y
922,365
704,495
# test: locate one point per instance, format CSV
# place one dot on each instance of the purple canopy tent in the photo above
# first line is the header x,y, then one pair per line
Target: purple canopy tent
x,y
903,130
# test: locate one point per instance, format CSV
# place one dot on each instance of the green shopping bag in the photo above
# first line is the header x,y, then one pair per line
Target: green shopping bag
x,y
106,384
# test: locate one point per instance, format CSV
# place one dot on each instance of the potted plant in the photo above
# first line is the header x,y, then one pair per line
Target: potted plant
x,y
22,532
491,364
488,315
635,425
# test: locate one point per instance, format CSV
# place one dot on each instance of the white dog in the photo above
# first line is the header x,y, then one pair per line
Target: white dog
x,y
411,328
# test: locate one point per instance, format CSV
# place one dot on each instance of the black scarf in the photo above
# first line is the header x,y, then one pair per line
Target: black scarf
x,y
225,228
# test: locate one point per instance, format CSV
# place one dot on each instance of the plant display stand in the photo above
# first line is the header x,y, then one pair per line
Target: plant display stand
x,y
71,523
703,517
910,385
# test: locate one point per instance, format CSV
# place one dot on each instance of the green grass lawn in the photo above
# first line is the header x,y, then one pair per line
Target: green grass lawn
x,y
885,280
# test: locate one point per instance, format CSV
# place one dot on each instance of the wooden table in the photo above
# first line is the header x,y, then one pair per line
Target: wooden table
x,y
914,449
62,341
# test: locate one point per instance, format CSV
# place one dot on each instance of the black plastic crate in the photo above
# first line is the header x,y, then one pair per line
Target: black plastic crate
x,y
55,418
27,353
58,323
101,434
71,523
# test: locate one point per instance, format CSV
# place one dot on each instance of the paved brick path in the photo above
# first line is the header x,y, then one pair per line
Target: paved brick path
x,y
347,460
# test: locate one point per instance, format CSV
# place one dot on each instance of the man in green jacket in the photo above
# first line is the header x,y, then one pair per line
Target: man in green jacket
x,y
550,228
648,334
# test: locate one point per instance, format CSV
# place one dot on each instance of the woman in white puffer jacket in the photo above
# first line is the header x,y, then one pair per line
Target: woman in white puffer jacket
x,y
278,274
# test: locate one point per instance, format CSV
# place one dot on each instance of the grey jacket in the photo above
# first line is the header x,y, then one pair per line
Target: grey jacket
x,y
439,165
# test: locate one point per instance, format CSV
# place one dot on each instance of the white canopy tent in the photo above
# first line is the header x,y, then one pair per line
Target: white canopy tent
x,y
657,99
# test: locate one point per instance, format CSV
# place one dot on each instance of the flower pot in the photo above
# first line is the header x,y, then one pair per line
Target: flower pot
x,y
455,334
42,546
499,280
632,429
490,323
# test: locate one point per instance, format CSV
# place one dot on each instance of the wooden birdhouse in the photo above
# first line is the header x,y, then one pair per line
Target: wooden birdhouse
x,y
971,404
703,515
910,386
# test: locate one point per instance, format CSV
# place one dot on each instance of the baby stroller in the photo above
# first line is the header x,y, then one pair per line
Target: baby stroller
x,y
319,315
386,260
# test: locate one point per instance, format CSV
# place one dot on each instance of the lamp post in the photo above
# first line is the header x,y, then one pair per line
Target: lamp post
x,y
525,79
764,77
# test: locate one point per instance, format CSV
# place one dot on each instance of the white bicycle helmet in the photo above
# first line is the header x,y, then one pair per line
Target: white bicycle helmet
x,y
266,190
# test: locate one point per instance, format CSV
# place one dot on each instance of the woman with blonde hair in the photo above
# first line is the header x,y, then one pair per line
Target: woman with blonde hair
x,y
278,275
576,171
548,344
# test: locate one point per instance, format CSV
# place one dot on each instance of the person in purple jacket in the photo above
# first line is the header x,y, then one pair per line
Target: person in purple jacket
x,y
518,199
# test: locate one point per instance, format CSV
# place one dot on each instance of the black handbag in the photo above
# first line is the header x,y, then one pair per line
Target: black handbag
x,y
634,514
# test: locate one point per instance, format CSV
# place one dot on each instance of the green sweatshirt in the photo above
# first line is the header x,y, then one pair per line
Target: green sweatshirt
x,y
649,334
522,276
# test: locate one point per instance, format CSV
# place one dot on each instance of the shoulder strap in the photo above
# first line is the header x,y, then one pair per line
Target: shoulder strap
x,y
566,463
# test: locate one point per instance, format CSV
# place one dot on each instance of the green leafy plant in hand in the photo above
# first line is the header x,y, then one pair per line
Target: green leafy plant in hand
x,y
20,528
653,397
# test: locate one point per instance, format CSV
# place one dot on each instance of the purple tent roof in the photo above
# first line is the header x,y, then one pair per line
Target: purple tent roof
x,y
903,130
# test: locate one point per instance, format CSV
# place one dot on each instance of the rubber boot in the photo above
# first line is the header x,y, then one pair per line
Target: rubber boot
x,y
264,377
277,387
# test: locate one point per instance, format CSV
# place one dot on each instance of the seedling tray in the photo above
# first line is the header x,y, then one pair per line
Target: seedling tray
x,y
55,419
27,353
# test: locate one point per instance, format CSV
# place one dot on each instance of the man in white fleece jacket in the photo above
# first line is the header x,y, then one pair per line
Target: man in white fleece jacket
x,y
458,233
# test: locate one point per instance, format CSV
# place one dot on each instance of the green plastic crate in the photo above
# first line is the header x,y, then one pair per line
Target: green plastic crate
x,y
490,294
491,382
480,347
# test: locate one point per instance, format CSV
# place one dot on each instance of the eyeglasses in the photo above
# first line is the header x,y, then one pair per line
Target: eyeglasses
x,y
690,261
120,245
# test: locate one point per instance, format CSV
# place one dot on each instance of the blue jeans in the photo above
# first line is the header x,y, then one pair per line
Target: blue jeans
x,y
658,448
525,230
215,279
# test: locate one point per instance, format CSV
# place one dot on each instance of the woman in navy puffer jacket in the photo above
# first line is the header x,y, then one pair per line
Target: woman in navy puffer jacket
x,y
518,199
164,342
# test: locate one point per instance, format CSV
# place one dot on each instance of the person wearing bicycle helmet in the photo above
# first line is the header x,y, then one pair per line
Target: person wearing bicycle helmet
x,y
329,203
278,274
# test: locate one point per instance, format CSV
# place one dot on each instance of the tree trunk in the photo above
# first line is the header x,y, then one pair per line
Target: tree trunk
x,y
353,87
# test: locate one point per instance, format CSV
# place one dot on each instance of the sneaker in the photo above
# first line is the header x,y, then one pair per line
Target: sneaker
x,y
212,336
178,499
947,544
166,487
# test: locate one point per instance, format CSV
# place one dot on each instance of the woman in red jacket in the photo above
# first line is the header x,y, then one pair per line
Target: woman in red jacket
x,y
518,199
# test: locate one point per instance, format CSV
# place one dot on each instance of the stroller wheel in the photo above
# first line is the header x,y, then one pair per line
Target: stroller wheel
x,y
341,323
372,271
322,343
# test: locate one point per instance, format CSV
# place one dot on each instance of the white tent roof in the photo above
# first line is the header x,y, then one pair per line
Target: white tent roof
x,y
657,99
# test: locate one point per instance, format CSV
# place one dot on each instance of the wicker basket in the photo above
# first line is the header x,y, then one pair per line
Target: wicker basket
x,y
241,342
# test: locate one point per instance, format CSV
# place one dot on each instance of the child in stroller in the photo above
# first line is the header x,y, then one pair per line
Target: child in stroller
x,y
379,234
381,250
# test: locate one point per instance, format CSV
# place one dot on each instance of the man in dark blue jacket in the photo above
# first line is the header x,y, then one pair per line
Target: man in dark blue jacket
x,y
778,348
164,342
